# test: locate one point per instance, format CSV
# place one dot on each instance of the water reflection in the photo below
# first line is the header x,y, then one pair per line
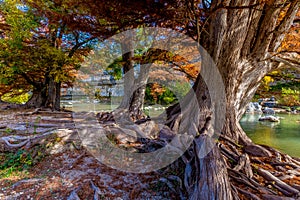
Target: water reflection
x,y
283,135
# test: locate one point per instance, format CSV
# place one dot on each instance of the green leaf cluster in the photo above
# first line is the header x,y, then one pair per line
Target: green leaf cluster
x,y
29,49
21,160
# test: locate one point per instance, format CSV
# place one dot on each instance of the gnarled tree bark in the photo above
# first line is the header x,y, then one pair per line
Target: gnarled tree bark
x,y
242,41
241,38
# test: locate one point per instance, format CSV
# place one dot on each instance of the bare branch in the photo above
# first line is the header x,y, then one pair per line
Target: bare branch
x,y
78,45
290,59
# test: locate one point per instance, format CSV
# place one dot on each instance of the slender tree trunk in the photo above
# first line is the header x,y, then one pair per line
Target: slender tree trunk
x,y
134,88
138,98
51,93
128,69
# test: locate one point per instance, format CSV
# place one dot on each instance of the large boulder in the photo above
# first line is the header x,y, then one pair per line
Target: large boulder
x,y
269,111
269,118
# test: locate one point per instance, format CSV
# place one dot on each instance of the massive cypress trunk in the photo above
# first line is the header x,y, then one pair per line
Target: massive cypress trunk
x,y
205,174
244,35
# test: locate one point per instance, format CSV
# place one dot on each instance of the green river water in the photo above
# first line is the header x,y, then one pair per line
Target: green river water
x,y
283,135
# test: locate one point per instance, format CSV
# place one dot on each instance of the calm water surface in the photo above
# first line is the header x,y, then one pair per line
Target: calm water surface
x,y
283,135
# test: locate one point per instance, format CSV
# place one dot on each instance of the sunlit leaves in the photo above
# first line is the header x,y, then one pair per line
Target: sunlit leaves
x,y
20,22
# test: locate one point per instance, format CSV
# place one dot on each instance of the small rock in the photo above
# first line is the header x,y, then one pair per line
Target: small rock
x,y
269,118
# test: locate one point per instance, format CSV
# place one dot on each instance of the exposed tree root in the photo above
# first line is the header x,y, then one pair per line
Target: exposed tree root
x,y
247,194
74,195
268,180
14,142
254,171
33,180
268,176
97,191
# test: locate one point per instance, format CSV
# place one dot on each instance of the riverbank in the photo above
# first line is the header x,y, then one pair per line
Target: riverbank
x,y
59,167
